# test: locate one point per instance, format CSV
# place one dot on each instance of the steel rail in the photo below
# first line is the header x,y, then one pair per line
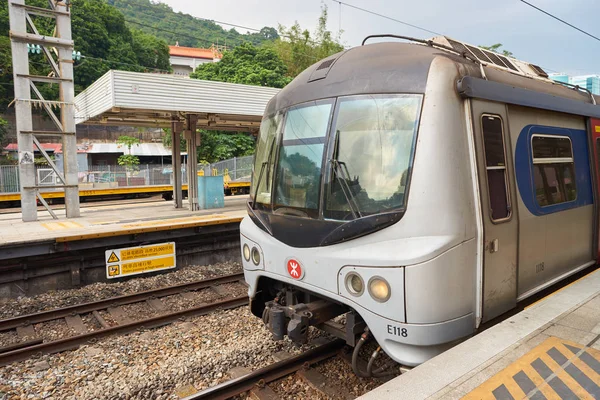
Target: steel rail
x,y
269,373
58,313
74,341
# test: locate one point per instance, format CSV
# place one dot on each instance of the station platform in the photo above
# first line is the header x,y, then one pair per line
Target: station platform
x,y
550,350
51,254
114,220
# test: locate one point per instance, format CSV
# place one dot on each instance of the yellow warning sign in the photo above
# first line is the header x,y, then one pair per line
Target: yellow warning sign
x,y
113,258
113,270
140,259
147,251
598,128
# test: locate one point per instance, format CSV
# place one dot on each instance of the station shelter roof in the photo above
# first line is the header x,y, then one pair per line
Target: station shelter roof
x,y
123,98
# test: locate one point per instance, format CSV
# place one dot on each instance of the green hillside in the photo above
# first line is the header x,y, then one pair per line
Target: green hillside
x,y
161,21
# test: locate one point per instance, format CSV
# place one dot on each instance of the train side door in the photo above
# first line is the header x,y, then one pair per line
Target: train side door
x,y
499,213
595,146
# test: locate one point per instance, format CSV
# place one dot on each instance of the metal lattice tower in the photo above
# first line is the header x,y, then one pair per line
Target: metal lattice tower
x,y
60,44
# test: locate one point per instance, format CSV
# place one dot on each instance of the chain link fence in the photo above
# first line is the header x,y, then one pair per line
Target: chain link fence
x,y
111,176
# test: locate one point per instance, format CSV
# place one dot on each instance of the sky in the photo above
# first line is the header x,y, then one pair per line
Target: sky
x,y
531,35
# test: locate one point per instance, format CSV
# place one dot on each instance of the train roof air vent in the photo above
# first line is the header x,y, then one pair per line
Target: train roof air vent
x,y
490,58
539,70
322,70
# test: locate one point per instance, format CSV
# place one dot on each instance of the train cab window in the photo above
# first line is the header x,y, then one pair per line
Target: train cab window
x,y
495,163
554,169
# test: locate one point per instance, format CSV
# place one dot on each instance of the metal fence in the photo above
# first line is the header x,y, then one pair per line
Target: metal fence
x,y
238,168
9,179
108,176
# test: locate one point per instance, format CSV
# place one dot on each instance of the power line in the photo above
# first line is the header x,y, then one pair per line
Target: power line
x,y
386,17
168,31
205,40
206,20
561,20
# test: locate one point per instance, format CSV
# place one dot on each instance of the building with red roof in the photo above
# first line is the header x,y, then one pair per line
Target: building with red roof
x,y
184,60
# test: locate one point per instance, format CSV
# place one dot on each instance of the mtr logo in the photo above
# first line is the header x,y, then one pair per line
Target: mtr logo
x,y
294,269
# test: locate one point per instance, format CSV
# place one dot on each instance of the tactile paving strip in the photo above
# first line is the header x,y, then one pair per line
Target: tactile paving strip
x,y
555,369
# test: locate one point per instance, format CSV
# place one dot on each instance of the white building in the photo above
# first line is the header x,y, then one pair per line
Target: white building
x,y
184,60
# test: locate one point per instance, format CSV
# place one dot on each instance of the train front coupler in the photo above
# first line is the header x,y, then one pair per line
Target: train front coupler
x,y
295,320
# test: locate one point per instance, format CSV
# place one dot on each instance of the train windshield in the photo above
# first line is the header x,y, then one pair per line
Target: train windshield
x,y
337,159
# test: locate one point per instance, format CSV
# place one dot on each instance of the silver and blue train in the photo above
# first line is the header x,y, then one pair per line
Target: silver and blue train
x,y
418,189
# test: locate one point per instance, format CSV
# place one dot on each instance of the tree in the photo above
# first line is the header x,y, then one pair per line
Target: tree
x,y
3,130
99,33
496,49
128,160
158,19
246,64
217,146
299,50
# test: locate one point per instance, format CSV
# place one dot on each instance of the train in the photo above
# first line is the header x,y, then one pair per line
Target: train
x,y
409,191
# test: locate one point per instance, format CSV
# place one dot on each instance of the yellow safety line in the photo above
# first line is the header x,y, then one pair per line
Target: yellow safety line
x,y
145,230
97,192
559,290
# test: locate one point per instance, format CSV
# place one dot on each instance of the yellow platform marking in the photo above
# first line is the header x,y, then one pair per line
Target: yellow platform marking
x,y
539,373
53,226
135,231
97,192
173,221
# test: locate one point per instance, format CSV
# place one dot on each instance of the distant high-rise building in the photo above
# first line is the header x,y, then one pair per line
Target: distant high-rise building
x,y
589,82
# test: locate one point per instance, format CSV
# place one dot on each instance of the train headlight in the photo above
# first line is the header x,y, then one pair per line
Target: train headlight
x,y
246,252
354,284
379,289
255,256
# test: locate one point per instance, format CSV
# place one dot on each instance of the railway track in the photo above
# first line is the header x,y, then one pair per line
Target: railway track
x,y
257,382
120,322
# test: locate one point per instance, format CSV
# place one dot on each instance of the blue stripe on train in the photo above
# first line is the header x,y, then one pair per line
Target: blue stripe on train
x,y
524,168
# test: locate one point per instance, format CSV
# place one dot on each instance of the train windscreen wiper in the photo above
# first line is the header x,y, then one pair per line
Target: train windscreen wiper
x,y
343,177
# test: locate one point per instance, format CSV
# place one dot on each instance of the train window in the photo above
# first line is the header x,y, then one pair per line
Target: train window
x,y
373,150
495,163
554,169
264,160
298,174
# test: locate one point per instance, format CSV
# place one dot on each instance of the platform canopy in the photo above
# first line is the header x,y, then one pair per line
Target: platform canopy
x,y
123,98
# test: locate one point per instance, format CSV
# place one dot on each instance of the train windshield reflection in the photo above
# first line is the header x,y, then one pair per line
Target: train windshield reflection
x,y
359,168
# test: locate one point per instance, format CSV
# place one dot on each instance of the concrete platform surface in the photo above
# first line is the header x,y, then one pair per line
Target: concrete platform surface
x,y
551,350
115,219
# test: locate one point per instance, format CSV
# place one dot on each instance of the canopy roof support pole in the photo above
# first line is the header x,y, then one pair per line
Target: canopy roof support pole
x,y
192,161
176,129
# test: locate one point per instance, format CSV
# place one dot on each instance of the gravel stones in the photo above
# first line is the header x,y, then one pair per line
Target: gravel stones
x,y
97,291
162,363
